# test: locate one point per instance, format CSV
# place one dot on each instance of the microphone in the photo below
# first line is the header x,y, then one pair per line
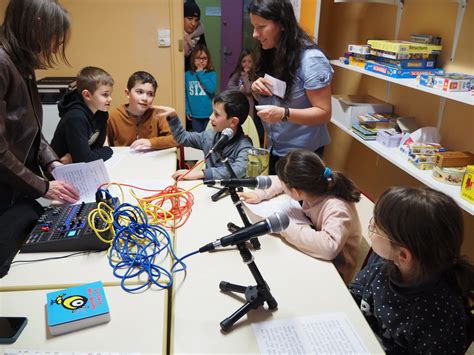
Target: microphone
x,y
259,182
226,135
273,224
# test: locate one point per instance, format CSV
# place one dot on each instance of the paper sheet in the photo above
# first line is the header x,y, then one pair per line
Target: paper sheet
x,y
330,333
278,86
52,352
282,204
86,177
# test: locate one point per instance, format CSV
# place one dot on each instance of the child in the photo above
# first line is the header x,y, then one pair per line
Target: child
x,y
415,288
231,109
328,200
200,86
81,132
137,124
241,79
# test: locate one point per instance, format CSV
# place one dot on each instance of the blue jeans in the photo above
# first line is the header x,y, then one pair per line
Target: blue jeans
x,y
199,124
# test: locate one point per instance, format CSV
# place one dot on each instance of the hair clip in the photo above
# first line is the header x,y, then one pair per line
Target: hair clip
x,y
327,173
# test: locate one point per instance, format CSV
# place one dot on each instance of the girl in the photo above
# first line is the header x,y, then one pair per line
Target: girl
x,y
241,79
33,36
200,86
328,200
414,290
286,52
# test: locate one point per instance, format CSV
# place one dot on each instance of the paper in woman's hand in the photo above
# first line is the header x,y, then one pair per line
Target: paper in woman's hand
x,y
278,86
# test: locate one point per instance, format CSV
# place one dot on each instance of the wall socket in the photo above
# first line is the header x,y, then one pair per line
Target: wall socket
x,y
164,38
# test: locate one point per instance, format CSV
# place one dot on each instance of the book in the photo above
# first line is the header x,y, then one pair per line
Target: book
x,y
76,308
397,46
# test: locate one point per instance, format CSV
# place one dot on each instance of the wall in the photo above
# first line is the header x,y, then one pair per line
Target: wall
x,y
343,23
120,36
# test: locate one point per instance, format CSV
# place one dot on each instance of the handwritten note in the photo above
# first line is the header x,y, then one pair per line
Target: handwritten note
x,y
86,177
330,333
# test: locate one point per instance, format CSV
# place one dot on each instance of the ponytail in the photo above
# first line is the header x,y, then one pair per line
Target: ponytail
x,y
342,187
462,276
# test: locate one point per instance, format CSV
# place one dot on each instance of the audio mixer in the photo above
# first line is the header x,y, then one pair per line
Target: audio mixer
x,y
65,228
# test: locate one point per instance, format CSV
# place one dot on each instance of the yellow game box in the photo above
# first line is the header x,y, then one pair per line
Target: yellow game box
x,y
467,190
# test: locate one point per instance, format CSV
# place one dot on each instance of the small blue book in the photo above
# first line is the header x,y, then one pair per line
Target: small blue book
x,y
76,308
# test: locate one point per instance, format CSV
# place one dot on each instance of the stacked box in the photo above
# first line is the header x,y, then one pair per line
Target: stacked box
x,y
394,72
450,176
454,159
388,137
467,188
447,82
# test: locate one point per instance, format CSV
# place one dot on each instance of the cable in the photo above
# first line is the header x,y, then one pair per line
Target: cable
x,y
56,257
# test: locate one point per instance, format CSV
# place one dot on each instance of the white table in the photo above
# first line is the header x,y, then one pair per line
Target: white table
x,y
138,324
300,284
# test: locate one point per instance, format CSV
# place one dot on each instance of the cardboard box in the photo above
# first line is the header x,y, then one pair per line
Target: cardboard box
x,y
388,137
467,188
454,159
346,108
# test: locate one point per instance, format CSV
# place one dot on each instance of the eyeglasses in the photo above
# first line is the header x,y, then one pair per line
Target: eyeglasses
x,y
201,58
373,231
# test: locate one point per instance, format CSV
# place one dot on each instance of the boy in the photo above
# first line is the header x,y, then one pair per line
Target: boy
x,y
230,110
137,124
81,132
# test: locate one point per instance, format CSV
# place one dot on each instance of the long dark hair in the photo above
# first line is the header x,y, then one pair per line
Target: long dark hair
x,y
304,170
238,68
282,61
429,224
35,32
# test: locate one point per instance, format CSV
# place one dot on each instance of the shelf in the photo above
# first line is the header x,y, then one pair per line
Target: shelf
x,y
397,158
464,97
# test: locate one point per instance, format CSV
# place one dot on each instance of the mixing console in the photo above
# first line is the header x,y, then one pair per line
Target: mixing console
x,y
64,228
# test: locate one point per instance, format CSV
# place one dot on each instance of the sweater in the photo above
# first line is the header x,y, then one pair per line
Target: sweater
x,y
124,129
336,234
236,149
426,318
200,87
80,132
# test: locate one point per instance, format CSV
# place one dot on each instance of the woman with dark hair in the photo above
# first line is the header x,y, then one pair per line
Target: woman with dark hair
x,y
193,31
33,36
286,52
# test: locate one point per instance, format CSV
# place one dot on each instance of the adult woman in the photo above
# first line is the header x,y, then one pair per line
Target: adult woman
x,y
32,37
193,30
299,119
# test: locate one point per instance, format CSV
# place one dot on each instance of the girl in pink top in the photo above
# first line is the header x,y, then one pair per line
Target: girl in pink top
x,y
328,199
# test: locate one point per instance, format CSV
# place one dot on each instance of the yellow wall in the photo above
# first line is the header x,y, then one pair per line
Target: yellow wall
x,y
344,23
308,16
120,36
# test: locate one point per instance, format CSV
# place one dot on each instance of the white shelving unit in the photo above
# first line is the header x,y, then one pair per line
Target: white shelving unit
x,y
397,158
464,97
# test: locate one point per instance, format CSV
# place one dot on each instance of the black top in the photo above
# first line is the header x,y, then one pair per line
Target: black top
x,y
80,132
426,318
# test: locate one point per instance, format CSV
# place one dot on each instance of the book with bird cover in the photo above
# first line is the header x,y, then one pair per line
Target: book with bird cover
x,y
76,308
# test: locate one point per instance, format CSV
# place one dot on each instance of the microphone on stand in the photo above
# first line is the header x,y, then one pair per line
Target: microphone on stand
x,y
226,135
273,224
259,182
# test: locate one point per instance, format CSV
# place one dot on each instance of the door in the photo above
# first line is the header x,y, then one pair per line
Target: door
x,y
231,37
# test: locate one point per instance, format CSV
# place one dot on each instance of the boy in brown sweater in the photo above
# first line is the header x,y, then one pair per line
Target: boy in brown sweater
x,y
137,123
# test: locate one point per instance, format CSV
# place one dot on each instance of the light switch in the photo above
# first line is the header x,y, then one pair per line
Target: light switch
x,y
164,37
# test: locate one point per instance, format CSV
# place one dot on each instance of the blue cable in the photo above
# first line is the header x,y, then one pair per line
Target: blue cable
x,y
137,244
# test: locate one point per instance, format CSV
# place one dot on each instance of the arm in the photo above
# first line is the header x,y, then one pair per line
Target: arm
x,y
233,83
75,132
238,161
165,138
208,81
318,113
188,139
328,242
110,133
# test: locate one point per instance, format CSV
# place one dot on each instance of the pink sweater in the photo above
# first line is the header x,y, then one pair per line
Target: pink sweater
x,y
336,234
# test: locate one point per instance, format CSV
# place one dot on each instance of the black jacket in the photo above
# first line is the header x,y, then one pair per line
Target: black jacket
x,y
80,132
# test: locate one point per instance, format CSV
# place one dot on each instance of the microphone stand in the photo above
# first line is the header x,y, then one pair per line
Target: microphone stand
x,y
257,295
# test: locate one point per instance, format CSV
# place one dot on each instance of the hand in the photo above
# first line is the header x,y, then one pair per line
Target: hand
x,y
271,114
66,159
62,192
249,197
262,86
141,144
165,111
189,117
193,175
